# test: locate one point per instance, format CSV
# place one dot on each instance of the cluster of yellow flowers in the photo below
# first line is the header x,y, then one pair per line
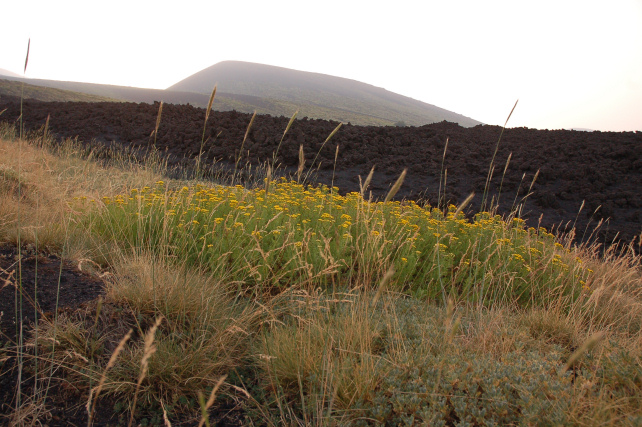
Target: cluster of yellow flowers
x,y
328,226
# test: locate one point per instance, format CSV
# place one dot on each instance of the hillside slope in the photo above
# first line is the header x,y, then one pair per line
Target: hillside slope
x,y
323,91
4,72
42,93
224,101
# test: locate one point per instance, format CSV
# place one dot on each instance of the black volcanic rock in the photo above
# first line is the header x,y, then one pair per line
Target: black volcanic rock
x,y
604,169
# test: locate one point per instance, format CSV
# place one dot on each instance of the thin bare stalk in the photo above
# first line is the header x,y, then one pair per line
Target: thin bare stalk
x,y
205,406
334,168
492,161
501,184
441,174
158,121
322,145
287,128
91,403
55,323
238,158
207,116
366,183
299,170
19,290
523,201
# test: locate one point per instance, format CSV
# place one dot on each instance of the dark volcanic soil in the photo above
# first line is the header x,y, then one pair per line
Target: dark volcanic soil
x,y
65,285
45,272
71,288
604,169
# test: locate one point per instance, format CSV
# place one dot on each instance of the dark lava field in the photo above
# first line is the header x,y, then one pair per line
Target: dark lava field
x,y
601,169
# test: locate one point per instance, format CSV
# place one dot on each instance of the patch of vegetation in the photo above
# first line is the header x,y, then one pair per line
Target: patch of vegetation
x,y
294,233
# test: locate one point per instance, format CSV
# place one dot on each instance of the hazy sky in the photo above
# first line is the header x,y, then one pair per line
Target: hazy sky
x,y
572,64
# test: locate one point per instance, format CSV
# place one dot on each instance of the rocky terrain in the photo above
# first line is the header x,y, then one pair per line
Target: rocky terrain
x,y
603,170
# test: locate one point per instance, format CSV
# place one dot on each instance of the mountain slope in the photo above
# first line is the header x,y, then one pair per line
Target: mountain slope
x,y
4,72
267,90
320,90
54,90
122,93
42,93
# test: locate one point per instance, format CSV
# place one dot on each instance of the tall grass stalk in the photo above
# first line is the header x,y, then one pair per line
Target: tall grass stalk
x,y
205,406
463,204
18,302
95,392
287,128
148,351
319,152
440,201
395,188
301,166
366,183
207,116
268,179
238,158
489,177
334,167
158,122
35,297
501,184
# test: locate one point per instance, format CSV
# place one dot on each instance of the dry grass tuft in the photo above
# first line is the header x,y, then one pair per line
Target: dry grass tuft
x,y
339,350
51,178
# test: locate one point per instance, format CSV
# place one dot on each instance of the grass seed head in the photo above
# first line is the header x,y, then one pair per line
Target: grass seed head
x,y
209,104
299,170
367,181
395,188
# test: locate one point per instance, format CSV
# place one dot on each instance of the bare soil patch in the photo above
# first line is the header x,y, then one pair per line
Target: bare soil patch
x,y
56,282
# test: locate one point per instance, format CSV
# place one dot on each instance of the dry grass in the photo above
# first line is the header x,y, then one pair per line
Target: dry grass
x,y
333,339
43,184
38,187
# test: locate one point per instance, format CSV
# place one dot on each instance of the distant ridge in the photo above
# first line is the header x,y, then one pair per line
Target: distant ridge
x,y
43,93
8,73
320,90
248,87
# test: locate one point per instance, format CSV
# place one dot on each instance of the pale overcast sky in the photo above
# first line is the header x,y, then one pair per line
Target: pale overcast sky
x,y
572,64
